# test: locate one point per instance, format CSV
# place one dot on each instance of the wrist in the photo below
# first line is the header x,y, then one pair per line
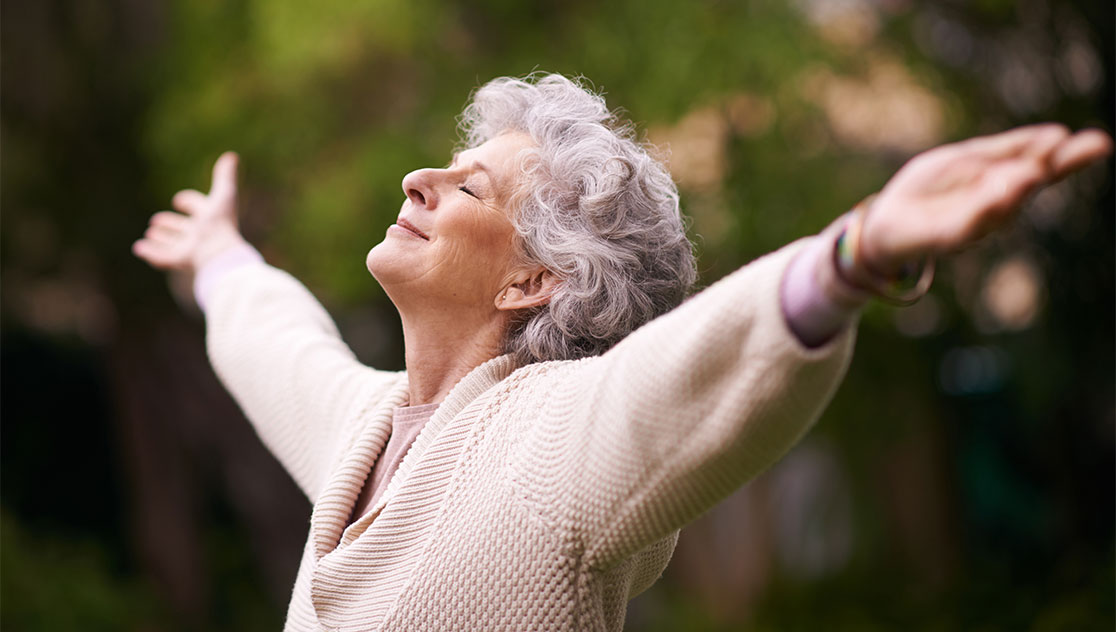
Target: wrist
x,y
899,283
217,245
817,304
206,278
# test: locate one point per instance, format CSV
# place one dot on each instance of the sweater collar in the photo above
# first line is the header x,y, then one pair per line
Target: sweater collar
x,y
343,488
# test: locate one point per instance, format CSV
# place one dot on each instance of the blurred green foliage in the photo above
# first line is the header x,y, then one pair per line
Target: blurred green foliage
x,y
803,109
329,112
65,583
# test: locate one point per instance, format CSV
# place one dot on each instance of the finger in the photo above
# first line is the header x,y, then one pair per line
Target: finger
x,y
1010,185
1030,139
155,254
1078,151
189,201
166,243
1001,195
224,176
164,233
142,249
169,219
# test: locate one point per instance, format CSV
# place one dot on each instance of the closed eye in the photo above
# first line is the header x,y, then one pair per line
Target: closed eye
x,y
466,190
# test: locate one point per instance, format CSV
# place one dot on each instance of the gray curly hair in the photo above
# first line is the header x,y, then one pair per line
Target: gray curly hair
x,y
594,208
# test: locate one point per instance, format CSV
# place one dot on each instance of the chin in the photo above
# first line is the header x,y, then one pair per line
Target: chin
x,y
376,258
388,263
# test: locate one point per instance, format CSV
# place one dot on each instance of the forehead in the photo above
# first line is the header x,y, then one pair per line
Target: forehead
x,y
497,153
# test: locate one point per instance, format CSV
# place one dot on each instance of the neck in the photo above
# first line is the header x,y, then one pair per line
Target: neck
x,y
442,346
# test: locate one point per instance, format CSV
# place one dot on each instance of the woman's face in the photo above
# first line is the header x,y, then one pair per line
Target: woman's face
x,y
454,241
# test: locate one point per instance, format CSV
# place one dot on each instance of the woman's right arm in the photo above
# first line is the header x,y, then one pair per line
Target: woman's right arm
x,y
272,344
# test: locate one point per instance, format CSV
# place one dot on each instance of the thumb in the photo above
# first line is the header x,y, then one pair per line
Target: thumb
x,y
224,176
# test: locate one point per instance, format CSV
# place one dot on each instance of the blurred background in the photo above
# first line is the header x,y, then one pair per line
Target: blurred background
x,y
963,479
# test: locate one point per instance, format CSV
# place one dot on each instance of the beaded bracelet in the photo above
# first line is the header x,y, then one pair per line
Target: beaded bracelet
x,y
904,288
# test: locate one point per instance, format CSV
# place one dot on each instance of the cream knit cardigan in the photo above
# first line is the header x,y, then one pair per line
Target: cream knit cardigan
x,y
541,497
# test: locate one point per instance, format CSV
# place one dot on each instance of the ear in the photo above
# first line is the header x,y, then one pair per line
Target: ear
x,y
528,289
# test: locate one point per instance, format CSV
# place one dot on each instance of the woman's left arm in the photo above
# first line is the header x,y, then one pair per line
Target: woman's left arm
x,y
697,402
951,196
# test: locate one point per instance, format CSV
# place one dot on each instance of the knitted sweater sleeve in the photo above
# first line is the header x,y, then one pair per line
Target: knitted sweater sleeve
x,y
688,408
280,356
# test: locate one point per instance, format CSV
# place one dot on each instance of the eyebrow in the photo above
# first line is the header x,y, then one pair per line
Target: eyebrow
x,y
476,165
457,154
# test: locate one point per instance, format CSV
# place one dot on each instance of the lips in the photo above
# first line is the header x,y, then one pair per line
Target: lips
x,y
408,226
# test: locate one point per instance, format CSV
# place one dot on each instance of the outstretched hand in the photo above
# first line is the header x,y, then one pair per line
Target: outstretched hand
x,y
955,194
206,226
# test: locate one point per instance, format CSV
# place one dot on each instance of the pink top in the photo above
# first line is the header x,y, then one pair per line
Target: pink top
x,y
218,266
406,424
817,303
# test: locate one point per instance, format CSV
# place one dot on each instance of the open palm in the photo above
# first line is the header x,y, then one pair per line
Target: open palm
x,y
206,226
953,195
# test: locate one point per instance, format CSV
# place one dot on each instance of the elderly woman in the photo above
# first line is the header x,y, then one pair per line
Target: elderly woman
x,y
563,413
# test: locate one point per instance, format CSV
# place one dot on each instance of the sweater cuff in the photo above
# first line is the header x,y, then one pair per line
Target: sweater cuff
x,y
817,304
216,269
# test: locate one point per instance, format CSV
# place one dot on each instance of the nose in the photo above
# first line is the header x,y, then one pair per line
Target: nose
x,y
420,190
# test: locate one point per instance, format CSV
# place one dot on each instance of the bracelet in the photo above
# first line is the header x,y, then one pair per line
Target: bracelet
x,y
904,288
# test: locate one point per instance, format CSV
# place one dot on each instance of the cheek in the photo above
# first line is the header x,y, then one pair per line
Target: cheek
x,y
483,247
485,236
